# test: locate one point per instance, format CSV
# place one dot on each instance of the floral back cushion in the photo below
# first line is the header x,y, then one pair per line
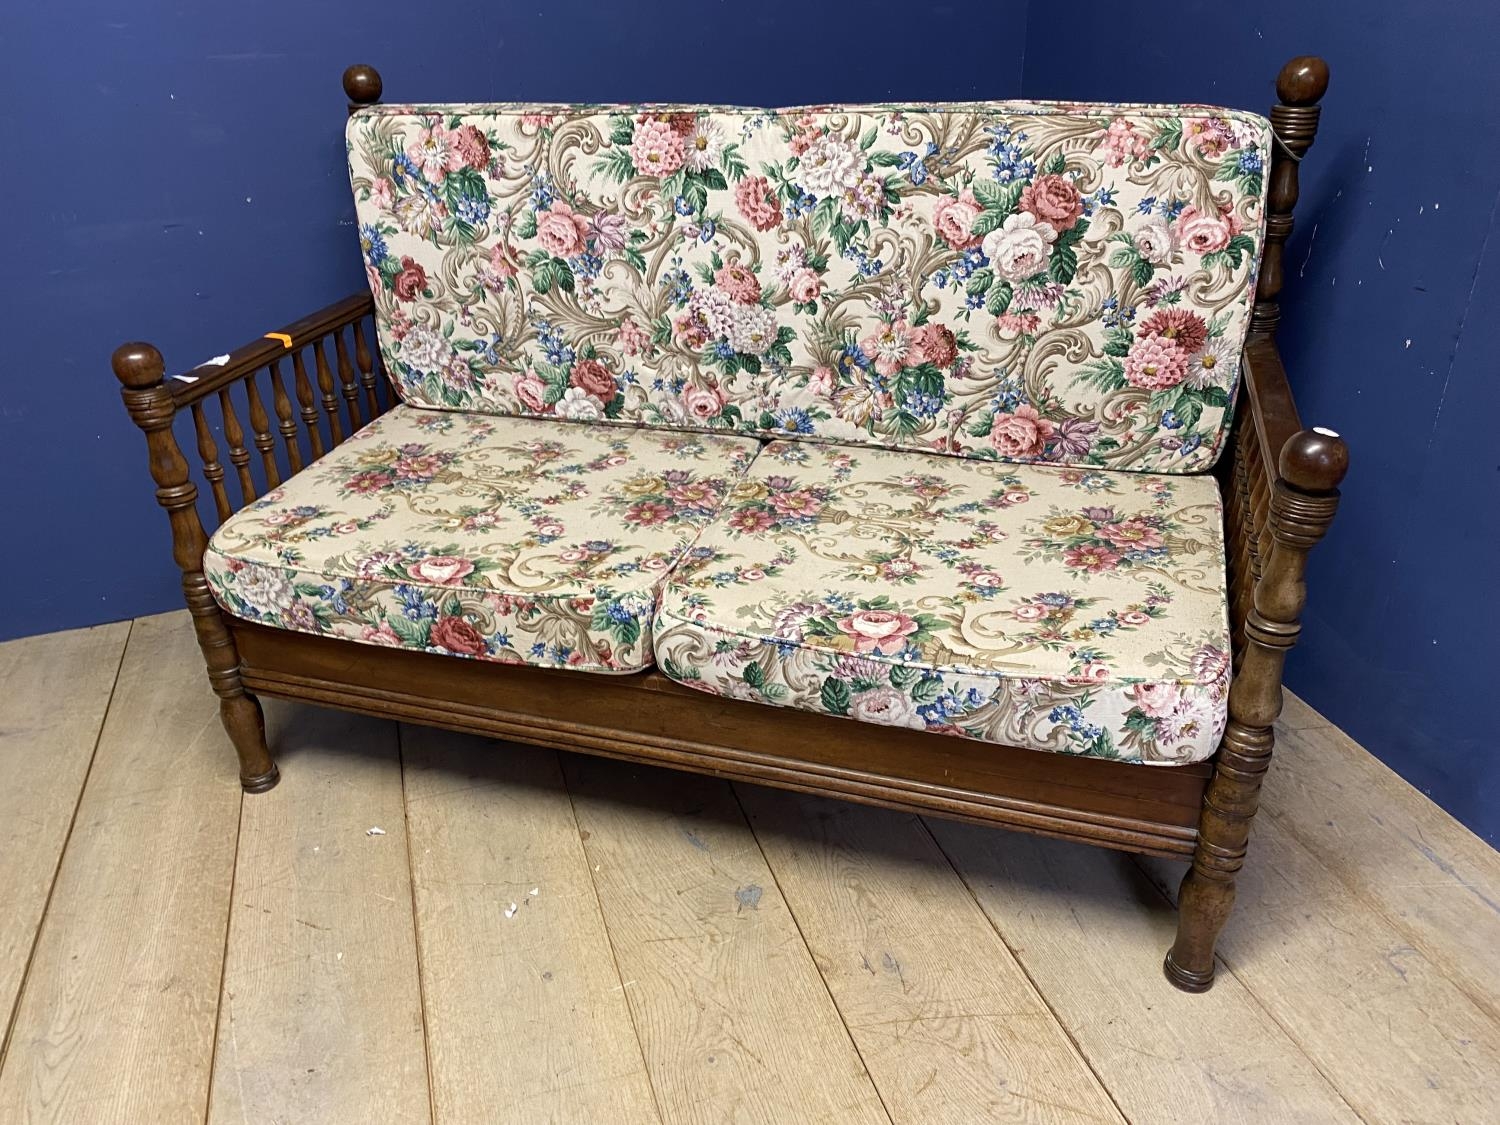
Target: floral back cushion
x,y
1064,284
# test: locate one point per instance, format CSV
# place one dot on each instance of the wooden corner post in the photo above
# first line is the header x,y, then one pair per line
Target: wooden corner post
x,y
1294,125
140,369
1304,496
1303,504
362,86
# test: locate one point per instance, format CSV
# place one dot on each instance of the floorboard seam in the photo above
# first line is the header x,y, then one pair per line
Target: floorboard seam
x,y
1255,998
1020,965
416,929
1485,1006
792,914
213,1043
614,956
41,924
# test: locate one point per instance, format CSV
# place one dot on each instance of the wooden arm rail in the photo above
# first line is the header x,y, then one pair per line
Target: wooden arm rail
x,y
350,391
305,389
207,379
153,404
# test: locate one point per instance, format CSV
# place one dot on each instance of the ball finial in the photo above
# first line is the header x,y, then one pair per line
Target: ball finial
x,y
362,84
1314,460
1303,81
138,365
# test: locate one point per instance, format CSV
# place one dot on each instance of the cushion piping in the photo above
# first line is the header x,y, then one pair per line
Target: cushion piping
x,y
648,650
956,669
1112,687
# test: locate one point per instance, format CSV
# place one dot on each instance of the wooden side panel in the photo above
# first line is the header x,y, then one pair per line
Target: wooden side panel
x,y
648,718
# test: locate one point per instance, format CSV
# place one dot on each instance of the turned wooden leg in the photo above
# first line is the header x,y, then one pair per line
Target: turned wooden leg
x,y
247,730
239,710
1203,907
1207,894
1304,498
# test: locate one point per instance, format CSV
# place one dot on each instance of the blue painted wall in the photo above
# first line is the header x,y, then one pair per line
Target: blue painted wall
x,y
1390,333
185,184
192,193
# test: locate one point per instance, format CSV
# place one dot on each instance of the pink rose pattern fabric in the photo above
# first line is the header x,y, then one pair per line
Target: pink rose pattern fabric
x,y
993,280
1063,609
506,539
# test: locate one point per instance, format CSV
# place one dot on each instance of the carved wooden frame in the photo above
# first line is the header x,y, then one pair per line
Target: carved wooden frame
x,y
1281,491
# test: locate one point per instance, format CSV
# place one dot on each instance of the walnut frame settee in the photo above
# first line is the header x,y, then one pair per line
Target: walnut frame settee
x,y
1279,483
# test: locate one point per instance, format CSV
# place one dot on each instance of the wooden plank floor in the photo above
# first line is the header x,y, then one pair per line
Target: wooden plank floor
x,y
422,927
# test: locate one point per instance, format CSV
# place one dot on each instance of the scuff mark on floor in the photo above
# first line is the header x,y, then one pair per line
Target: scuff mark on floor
x,y
1452,872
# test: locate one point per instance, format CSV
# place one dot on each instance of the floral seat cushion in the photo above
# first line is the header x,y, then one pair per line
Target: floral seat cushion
x,y
1029,282
508,539
1072,610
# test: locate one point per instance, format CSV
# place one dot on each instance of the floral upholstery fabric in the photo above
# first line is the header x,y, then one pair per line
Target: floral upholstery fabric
x,y
1060,609
1051,283
505,539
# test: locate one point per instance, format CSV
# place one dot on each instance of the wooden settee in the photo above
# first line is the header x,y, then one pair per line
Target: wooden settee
x,y
435,179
